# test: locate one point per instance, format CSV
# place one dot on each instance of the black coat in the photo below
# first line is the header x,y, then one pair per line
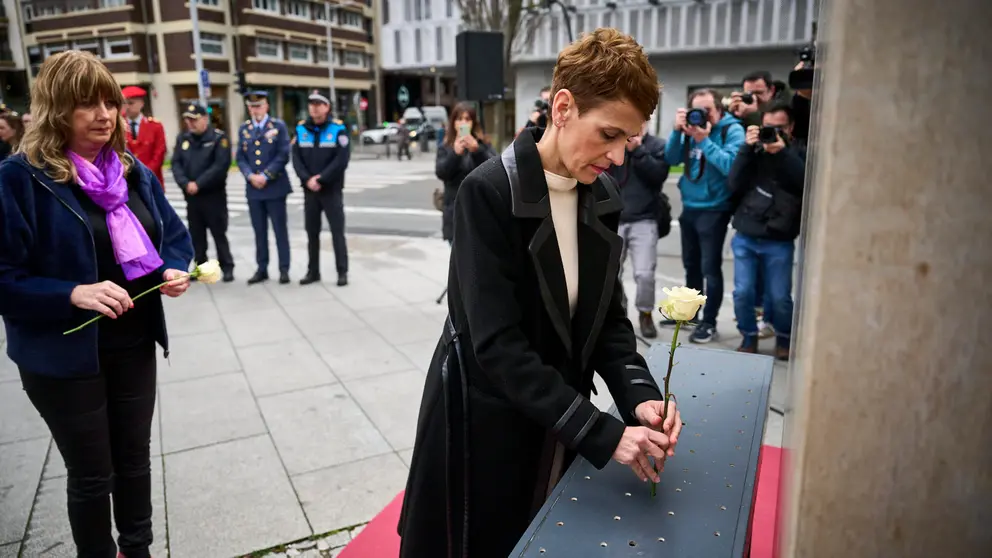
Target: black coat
x,y
205,159
766,192
512,373
451,168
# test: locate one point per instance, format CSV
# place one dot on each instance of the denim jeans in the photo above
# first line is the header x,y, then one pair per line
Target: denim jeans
x,y
640,245
102,427
774,259
703,233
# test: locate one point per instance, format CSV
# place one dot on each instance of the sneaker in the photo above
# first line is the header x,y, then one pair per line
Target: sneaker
x,y
704,333
765,330
647,326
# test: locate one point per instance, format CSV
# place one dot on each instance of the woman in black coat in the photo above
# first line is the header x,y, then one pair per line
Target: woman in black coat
x,y
464,148
534,309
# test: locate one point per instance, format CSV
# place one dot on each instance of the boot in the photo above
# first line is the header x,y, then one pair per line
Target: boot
x,y
647,326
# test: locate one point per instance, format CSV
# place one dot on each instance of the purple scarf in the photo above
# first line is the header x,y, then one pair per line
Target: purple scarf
x,y
103,181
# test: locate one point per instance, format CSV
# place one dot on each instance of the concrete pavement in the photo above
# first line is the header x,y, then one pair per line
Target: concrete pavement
x,y
284,413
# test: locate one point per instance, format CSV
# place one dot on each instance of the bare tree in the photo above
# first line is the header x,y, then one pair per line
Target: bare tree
x,y
516,21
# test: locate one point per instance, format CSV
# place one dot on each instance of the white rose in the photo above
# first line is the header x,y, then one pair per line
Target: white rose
x,y
208,272
682,303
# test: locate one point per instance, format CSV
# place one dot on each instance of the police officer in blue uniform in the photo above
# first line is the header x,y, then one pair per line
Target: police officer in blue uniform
x,y
320,157
263,153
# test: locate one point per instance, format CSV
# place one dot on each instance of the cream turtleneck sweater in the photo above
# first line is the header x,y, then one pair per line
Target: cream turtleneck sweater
x,y
564,214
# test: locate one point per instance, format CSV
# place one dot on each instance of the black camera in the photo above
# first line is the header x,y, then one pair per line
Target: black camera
x,y
696,117
768,134
541,105
747,98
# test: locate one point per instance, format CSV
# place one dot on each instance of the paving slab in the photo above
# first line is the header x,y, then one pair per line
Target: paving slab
x,y
351,493
230,499
281,367
420,353
8,370
197,356
193,313
359,354
208,411
361,295
19,420
255,327
320,427
323,316
21,464
392,402
10,550
403,325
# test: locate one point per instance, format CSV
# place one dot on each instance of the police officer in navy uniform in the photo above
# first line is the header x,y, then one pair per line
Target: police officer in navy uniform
x,y
320,157
200,162
263,153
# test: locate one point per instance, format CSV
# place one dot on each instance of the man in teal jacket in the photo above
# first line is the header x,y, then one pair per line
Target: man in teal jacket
x,y
708,150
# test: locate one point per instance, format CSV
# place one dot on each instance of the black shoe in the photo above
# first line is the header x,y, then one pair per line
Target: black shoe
x,y
704,333
228,276
310,278
283,277
259,277
342,279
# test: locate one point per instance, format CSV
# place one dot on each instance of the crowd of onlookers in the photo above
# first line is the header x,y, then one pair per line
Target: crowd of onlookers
x,y
743,161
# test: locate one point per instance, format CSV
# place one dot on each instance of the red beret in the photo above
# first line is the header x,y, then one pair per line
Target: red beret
x,y
132,91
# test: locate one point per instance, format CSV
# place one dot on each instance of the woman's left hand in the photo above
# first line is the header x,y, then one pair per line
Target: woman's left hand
x,y
649,414
471,143
178,282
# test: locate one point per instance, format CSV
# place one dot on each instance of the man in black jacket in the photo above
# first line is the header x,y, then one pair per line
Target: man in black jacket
x,y
200,163
766,184
640,178
320,157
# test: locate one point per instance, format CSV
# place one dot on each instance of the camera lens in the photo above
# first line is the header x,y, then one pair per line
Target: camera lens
x,y
696,117
768,134
747,98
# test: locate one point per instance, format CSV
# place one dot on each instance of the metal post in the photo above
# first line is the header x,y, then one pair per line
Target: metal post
x,y
330,61
196,51
437,89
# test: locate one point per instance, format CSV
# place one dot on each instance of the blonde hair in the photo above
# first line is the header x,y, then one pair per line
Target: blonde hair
x,y
67,81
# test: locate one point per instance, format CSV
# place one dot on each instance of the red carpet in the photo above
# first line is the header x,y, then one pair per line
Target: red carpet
x,y
379,538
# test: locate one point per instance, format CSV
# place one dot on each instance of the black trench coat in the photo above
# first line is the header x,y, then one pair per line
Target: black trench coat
x,y
505,406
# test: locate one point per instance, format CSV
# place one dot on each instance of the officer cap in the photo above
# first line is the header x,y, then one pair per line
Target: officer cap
x,y
194,110
255,98
133,92
317,97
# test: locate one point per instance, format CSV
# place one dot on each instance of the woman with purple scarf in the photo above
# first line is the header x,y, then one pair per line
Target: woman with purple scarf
x,y
84,227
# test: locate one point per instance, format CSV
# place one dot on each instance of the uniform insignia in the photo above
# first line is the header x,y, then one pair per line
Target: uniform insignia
x,y
185,145
343,140
223,143
269,125
269,134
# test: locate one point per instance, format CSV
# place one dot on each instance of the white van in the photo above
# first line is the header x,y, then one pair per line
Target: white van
x,y
436,116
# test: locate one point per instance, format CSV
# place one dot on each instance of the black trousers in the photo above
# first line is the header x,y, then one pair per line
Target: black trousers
x,y
315,206
209,213
401,149
703,235
102,426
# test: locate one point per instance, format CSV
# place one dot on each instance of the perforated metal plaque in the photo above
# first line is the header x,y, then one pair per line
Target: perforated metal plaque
x,y
704,501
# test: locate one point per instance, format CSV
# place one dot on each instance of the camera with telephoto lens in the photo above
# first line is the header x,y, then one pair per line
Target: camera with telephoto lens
x,y
696,117
768,134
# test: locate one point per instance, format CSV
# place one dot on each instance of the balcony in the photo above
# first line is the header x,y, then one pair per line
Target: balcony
x,y
52,15
679,26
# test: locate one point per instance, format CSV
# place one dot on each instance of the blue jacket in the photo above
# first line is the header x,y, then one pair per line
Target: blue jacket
x,y
46,250
704,180
321,151
265,152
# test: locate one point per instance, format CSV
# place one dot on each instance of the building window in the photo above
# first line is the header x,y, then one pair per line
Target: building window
x,y
406,9
212,43
427,9
398,46
298,8
351,19
322,54
354,59
32,12
267,48
214,3
300,53
439,42
266,5
417,47
119,47
319,13
54,48
91,46
450,10
83,7
112,3
385,12
418,13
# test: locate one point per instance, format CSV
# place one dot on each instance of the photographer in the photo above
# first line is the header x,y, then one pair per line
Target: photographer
x,y
707,140
758,91
645,211
766,188
539,117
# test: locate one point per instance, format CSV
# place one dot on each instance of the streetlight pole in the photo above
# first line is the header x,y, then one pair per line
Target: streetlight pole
x,y
330,60
194,19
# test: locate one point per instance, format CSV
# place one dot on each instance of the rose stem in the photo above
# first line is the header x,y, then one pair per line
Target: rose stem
x,y
668,377
155,288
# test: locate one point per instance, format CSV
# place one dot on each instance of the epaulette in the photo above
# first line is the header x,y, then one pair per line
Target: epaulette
x,y
218,131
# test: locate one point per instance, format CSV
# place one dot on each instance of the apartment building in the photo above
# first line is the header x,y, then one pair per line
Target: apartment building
x,y
13,75
692,43
417,53
279,46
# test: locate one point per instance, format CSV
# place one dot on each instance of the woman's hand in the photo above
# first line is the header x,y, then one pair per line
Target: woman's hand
x,y
107,298
648,413
637,443
471,143
178,282
459,146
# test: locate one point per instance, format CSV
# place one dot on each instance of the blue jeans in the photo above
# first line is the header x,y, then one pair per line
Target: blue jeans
x,y
774,259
